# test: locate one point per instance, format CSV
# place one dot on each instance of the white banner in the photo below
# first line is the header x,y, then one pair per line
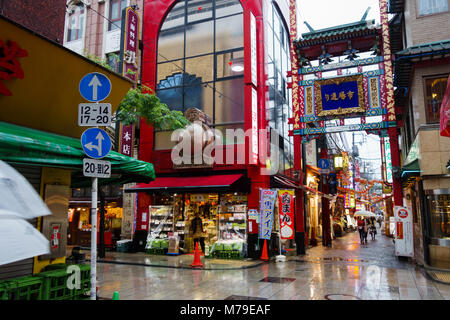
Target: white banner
x,y
404,245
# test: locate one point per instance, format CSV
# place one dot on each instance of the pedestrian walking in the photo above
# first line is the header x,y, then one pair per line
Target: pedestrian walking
x,y
379,221
372,228
197,231
366,229
361,226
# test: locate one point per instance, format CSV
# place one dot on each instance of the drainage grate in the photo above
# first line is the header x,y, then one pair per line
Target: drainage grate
x,y
277,280
234,297
439,276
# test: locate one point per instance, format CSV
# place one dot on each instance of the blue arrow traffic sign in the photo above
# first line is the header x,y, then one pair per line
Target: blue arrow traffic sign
x,y
95,87
96,143
324,163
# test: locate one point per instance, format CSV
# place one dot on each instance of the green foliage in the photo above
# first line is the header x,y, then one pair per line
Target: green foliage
x,y
100,61
137,104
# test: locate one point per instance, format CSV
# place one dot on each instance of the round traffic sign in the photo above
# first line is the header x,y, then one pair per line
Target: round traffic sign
x,y
324,163
96,143
95,87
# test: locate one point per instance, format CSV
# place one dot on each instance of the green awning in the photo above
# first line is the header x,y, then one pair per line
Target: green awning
x,y
22,145
411,168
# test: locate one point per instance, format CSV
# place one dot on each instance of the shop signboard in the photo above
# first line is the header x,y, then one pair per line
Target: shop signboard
x,y
404,245
130,44
253,221
286,213
267,203
126,141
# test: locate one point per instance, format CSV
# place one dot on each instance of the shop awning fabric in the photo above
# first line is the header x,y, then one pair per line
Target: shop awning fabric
x,y
33,147
210,183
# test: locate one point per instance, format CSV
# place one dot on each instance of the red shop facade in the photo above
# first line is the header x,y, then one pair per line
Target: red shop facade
x,y
226,63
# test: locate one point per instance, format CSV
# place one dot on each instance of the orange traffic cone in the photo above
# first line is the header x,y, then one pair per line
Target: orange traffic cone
x,y
197,262
264,252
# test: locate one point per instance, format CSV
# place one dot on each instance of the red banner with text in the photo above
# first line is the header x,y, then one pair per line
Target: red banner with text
x,y
286,213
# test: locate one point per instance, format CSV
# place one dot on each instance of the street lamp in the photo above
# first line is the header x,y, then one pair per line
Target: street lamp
x,y
338,162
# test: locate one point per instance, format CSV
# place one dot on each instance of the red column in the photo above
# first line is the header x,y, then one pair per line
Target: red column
x,y
395,159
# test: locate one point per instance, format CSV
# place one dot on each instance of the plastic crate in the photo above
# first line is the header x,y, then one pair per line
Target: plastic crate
x,y
25,288
55,285
57,266
85,283
4,292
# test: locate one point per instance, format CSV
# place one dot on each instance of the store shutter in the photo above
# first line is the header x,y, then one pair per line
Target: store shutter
x,y
23,267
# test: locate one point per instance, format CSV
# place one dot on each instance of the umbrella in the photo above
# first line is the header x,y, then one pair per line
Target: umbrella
x,y
18,195
19,202
19,239
364,213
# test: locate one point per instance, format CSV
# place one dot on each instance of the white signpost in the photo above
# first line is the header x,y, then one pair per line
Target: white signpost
x,y
404,245
94,114
96,168
95,87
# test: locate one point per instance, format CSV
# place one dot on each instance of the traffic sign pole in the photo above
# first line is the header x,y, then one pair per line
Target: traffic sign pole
x,y
94,240
94,87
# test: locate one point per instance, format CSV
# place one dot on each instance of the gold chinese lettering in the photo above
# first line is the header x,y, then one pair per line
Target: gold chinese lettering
x,y
342,95
333,96
327,97
350,94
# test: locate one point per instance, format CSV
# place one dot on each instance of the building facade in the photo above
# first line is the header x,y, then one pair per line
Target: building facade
x,y
224,63
422,69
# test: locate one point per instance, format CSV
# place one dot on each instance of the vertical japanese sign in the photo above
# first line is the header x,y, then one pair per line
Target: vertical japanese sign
x,y
267,205
130,44
387,62
387,155
254,143
404,245
286,213
253,50
126,140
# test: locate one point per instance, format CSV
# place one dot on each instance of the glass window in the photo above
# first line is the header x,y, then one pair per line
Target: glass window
x,y
199,10
194,72
229,33
171,44
76,23
115,13
432,6
200,97
230,64
176,16
113,61
166,71
434,93
172,97
439,209
200,38
229,101
227,7
201,67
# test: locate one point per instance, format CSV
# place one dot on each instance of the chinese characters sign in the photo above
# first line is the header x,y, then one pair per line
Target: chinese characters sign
x,y
9,65
267,203
286,213
130,44
126,140
387,153
339,95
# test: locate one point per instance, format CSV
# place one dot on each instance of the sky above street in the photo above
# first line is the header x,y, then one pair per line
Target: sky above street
x,y
322,14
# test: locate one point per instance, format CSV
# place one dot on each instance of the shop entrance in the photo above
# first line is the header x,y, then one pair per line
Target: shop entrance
x,y
173,217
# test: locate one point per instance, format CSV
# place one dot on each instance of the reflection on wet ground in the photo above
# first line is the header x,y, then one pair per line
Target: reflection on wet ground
x,y
347,271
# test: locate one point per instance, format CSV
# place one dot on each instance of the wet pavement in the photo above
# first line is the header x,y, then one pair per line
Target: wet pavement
x,y
347,271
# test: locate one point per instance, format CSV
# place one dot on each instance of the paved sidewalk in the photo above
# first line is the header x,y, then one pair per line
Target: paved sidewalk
x,y
183,261
348,271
